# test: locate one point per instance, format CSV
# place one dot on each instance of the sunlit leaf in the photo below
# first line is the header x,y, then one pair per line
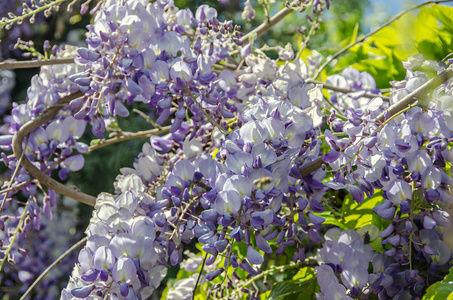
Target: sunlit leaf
x,y
441,290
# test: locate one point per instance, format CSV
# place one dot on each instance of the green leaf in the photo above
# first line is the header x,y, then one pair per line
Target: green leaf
x,y
286,289
356,215
304,274
354,33
441,290
443,14
282,289
310,289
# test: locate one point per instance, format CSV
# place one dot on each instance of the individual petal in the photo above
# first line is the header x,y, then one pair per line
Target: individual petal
x,y
428,223
212,275
91,275
181,70
237,161
75,163
143,227
124,244
228,202
398,191
124,270
82,292
240,184
262,244
325,277
103,258
443,252
205,13
58,131
385,210
375,104
356,276
184,169
254,132
356,192
253,256
431,178
266,216
159,72
76,127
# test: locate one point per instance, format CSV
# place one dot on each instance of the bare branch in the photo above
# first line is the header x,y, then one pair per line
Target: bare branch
x,y
310,167
45,116
26,64
393,19
146,117
347,91
75,246
419,93
267,25
129,136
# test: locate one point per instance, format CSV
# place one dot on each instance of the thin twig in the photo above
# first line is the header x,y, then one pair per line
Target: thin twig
x,y
267,25
146,117
126,136
45,116
210,119
13,239
184,211
347,91
267,272
199,277
35,63
75,246
393,19
4,22
311,167
10,183
339,115
396,115
16,187
129,136
307,38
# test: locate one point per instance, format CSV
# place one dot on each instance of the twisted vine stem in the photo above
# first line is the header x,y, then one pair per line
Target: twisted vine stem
x,y
45,116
